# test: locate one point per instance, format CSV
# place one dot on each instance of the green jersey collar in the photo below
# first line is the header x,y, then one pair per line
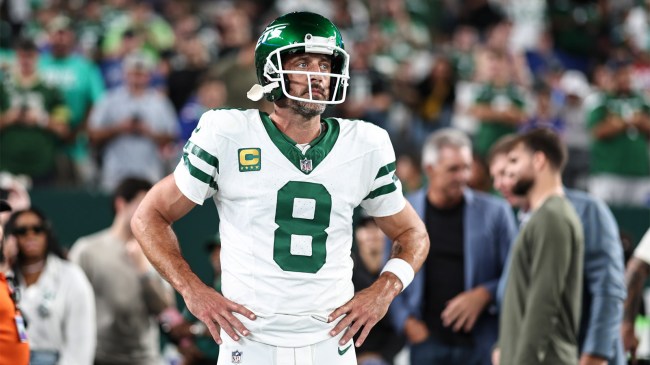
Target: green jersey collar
x,y
318,150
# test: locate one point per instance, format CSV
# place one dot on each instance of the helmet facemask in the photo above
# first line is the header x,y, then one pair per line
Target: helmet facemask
x,y
277,76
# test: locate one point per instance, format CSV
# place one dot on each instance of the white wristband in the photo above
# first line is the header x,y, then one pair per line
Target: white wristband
x,y
402,269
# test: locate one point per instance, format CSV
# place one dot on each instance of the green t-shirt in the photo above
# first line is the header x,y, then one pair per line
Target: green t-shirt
x,y
39,97
626,153
82,86
158,35
489,131
543,292
27,149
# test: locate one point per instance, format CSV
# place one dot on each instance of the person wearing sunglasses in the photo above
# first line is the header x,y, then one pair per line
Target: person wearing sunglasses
x,y
57,299
14,349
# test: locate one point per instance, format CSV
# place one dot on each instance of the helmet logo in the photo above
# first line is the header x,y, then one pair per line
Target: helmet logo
x,y
271,32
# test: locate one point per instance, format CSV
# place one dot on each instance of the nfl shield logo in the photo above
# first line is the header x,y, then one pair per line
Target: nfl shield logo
x,y
305,165
236,357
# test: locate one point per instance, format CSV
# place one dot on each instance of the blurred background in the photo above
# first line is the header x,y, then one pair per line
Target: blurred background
x,y
69,134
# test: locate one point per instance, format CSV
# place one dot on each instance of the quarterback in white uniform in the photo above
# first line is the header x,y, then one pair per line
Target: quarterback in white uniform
x,y
285,186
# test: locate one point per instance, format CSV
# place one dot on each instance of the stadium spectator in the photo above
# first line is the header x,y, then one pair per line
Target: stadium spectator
x,y
603,287
140,18
82,86
33,120
463,46
540,316
132,123
576,91
383,343
236,63
56,298
479,179
187,65
433,99
448,313
499,105
408,170
129,293
13,337
546,114
112,66
620,130
210,94
498,40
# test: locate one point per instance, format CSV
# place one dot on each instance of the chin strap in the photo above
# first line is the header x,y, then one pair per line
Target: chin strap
x,y
257,91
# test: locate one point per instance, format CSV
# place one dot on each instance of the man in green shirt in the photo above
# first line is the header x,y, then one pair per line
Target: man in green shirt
x,y
499,106
620,129
82,86
33,119
541,308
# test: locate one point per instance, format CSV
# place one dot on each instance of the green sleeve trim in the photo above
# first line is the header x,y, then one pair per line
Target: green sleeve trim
x,y
199,174
386,189
202,154
385,170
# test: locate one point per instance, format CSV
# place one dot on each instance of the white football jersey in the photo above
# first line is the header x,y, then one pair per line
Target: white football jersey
x,y
286,217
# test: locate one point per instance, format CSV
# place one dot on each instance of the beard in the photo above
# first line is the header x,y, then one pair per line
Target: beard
x,y
305,109
523,186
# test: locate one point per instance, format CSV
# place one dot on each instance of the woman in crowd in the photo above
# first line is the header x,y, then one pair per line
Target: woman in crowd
x,y
57,299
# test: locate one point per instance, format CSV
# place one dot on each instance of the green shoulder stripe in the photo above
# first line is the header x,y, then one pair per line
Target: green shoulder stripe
x,y
383,190
202,154
198,173
385,170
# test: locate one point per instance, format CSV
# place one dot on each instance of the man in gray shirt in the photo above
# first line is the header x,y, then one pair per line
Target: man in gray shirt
x,y
130,125
129,293
541,309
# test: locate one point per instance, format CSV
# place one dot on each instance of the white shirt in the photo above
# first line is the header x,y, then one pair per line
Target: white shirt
x,y
60,310
286,215
642,251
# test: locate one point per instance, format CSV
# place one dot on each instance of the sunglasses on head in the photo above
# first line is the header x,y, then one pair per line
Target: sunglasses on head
x,y
22,231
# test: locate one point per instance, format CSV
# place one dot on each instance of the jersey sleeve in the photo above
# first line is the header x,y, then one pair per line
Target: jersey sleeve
x,y
385,194
197,172
642,250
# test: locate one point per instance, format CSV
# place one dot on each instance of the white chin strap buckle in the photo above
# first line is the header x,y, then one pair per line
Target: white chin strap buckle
x,y
257,91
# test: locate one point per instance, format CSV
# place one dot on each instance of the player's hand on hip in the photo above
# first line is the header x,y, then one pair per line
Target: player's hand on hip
x,y
463,310
365,309
216,312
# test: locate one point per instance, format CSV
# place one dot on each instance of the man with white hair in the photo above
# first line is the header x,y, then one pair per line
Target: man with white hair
x,y
448,314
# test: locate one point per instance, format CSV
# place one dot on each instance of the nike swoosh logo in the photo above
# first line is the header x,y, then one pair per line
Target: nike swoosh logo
x,y
341,352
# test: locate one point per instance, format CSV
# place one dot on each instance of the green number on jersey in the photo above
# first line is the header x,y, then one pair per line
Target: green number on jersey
x,y
302,216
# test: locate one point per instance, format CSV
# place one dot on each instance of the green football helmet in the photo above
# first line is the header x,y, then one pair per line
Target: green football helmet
x,y
300,32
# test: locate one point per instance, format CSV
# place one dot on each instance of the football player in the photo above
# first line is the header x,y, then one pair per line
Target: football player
x,y
285,186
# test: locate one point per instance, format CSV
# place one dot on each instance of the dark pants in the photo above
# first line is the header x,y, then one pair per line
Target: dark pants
x,y
434,352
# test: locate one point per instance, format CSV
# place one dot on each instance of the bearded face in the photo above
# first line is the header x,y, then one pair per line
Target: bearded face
x,y
520,170
315,87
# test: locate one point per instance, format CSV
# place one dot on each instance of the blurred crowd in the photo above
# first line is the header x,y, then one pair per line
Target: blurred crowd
x,y
87,85
102,96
